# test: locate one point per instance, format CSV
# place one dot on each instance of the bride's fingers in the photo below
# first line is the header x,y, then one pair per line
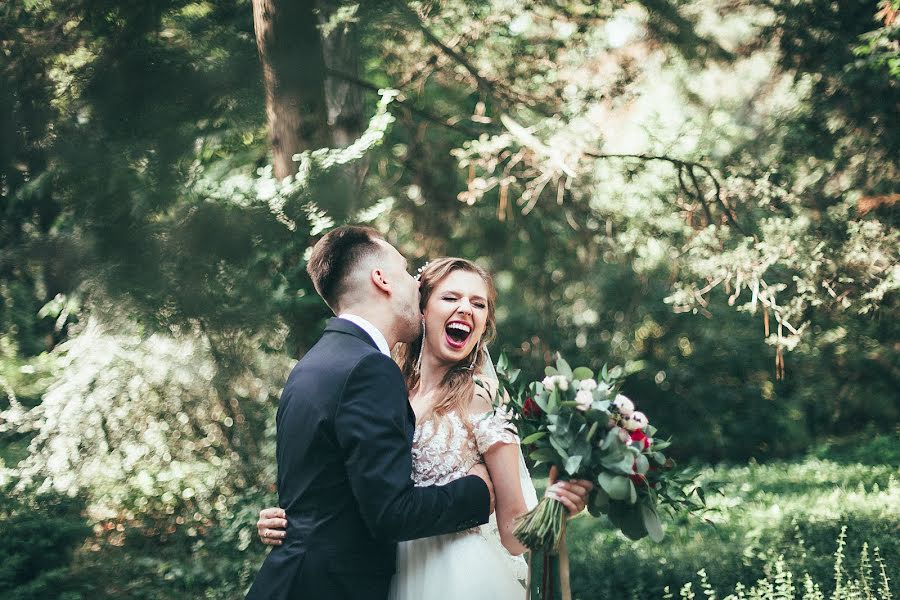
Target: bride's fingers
x,y
570,500
578,486
271,524
565,501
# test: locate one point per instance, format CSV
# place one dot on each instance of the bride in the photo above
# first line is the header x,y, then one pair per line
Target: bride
x,y
456,428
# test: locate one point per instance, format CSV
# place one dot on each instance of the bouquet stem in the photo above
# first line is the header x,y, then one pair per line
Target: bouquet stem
x,y
543,526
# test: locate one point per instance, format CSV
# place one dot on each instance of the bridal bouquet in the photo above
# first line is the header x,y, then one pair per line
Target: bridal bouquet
x,y
581,424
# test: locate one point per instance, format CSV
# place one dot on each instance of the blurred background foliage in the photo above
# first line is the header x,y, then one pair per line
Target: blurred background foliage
x,y
704,191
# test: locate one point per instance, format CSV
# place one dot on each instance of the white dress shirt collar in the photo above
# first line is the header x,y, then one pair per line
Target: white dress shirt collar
x,y
373,331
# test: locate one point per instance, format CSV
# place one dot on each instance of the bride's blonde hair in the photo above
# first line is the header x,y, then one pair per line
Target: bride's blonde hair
x,y
458,386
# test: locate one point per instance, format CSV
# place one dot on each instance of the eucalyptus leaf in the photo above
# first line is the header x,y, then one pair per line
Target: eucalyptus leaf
x,y
628,519
563,367
550,372
612,436
559,447
616,486
598,502
543,455
573,463
583,373
651,523
641,464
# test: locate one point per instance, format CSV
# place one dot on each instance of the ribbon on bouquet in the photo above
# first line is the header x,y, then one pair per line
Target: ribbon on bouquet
x,y
548,573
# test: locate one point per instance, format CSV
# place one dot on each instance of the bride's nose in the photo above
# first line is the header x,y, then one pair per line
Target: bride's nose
x,y
465,307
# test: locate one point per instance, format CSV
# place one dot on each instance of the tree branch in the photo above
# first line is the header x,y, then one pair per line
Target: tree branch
x,y
442,121
689,166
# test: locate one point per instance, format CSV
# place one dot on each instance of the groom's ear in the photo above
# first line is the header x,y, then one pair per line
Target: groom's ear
x,y
379,278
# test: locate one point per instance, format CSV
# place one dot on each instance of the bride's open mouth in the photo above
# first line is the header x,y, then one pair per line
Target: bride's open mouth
x,y
457,333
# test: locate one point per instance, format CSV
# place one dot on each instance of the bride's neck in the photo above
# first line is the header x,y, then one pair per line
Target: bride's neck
x,y
431,374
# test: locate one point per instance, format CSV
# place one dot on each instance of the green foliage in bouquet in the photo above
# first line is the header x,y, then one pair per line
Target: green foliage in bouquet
x,y
590,431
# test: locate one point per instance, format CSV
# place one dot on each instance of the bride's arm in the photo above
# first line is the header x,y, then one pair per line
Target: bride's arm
x,y
502,462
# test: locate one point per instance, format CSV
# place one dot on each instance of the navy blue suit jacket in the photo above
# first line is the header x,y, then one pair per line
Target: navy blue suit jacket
x,y
344,451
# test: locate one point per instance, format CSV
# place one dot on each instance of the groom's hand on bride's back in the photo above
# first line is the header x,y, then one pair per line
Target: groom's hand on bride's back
x,y
271,526
480,470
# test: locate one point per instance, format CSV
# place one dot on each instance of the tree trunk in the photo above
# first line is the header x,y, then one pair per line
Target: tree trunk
x,y
290,51
345,100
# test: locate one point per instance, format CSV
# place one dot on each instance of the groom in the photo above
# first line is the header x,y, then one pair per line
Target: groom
x,y
344,437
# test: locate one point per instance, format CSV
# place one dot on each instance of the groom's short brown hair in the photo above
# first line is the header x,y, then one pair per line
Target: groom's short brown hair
x,y
333,256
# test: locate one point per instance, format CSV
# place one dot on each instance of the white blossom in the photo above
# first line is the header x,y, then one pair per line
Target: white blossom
x,y
624,405
584,399
588,385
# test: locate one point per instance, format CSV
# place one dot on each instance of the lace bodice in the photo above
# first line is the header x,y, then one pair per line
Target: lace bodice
x,y
443,449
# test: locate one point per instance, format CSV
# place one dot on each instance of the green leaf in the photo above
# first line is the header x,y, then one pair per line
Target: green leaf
x,y
559,447
598,502
550,371
628,519
543,455
641,464
534,437
615,373
541,401
661,445
619,463
563,367
632,492
616,486
573,463
612,436
601,405
512,376
583,373
502,362
651,523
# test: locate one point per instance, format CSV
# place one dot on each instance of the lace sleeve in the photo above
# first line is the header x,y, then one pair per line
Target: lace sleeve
x,y
494,428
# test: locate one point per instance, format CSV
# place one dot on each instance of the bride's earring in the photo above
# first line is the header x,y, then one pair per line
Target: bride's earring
x,y
418,364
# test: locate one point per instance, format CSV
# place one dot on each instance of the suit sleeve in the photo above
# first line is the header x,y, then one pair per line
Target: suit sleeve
x,y
370,424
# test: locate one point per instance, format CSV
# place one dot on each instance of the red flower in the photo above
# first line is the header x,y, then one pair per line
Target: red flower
x,y
641,437
530,410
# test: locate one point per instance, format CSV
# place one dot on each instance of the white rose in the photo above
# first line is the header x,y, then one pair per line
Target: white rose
x,y
584,399
548,382
588,385
640,420
562,383
624,405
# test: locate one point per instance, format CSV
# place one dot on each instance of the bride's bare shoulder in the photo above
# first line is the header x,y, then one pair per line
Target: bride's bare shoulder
x,y
483,396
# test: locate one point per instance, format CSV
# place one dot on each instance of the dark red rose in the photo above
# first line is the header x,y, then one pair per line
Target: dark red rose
x,y
530,410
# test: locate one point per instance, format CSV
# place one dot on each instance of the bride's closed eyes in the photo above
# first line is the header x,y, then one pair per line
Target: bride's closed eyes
x,y
477,302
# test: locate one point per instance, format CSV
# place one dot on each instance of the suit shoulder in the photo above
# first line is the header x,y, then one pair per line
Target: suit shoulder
x,y
374,363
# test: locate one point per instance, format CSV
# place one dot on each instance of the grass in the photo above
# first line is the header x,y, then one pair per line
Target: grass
x,y
788,511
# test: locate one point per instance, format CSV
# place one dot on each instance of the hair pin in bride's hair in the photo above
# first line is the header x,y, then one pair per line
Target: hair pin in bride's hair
x,y
421,270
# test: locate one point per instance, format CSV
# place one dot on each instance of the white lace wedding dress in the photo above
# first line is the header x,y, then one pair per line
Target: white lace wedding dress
x,y
471,564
